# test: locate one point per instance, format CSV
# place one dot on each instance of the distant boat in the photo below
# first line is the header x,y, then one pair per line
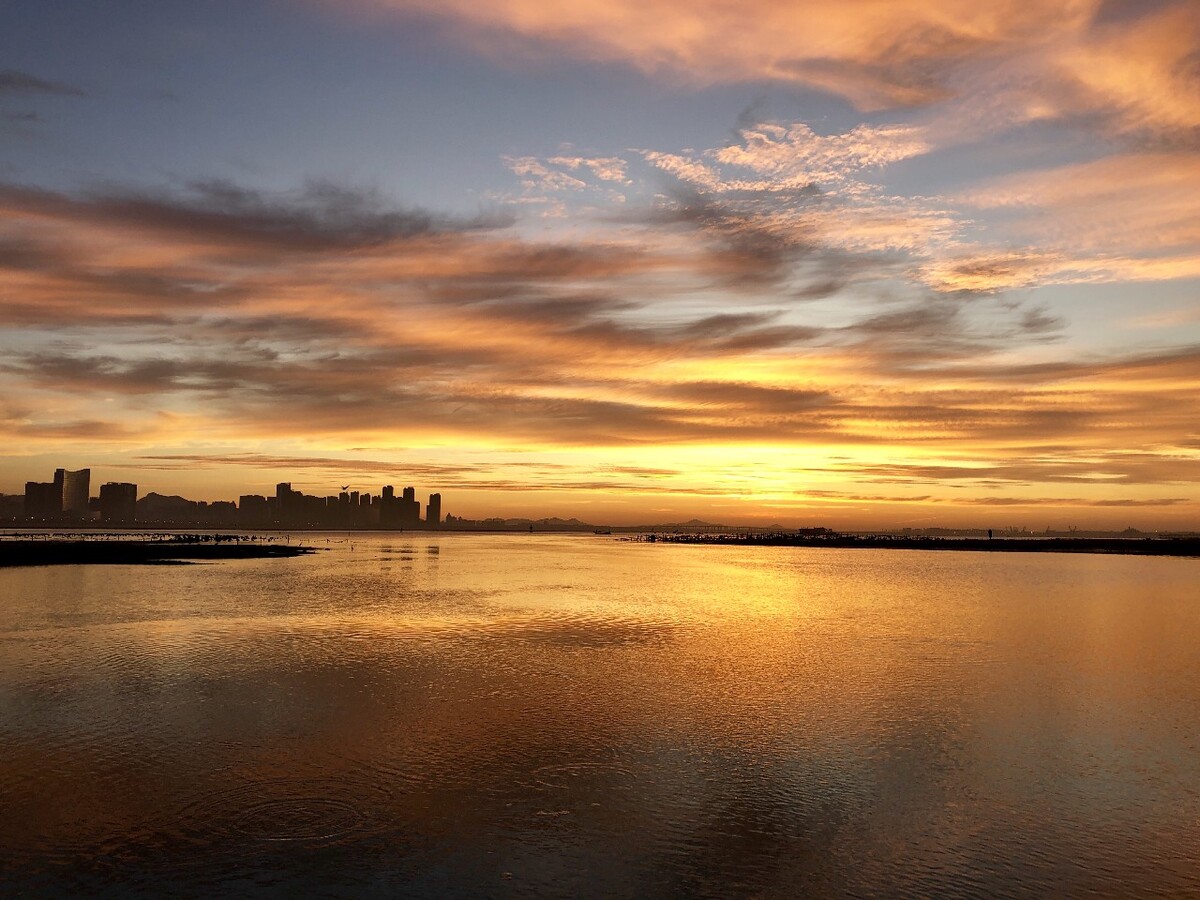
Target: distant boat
x,y
602,531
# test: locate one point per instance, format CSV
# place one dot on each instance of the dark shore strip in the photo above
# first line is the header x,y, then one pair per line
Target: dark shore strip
x,y
66,553
1144,547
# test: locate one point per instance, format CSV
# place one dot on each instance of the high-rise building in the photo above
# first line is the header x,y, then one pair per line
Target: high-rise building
x,y
43,499
433,511
76,489
118,502
288,505
409,515
254,511
66,496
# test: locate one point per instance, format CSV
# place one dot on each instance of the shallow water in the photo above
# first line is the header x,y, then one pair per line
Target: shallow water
x,y
520,715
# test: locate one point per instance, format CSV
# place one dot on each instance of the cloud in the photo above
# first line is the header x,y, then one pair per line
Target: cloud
x,y
794,156
535,174
492,475
318,216
1014,501
1140,74
877,54
1128,217
1125,70
1076,501
225,315
798,187
12,82
605,168
1128,203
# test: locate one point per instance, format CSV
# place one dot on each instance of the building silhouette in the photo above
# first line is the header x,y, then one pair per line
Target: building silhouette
x,y
43,500
118,502
253,511
66,497
66,500
76,491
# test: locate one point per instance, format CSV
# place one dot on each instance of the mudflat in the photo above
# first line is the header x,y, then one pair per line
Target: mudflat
x,y
119,552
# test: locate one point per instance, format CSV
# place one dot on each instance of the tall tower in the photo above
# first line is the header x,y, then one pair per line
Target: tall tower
x,y
76,489
287,504
433,512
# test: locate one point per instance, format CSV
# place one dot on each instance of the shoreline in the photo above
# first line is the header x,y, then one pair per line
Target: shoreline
x,y
15,553
1176,547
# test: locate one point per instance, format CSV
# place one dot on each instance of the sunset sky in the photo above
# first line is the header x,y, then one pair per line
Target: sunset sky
x,y
857,263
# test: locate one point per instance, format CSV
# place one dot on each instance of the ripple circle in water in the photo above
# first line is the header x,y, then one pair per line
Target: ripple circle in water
x,y
277,811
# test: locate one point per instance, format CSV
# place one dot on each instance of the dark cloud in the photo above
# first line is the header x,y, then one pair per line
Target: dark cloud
x,y
72,372
1128,11
875,85
327,310
743,251
1040,322
318,217
1112,469
472,390
852,497
749,117
24,253
520,476
1072,501
315,218
818,290
12,81
79,429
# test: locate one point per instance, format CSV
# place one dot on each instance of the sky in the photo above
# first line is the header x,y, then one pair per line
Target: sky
x,y
866,263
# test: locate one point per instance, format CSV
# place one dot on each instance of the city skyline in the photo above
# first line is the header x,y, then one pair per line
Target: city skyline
x,y
67,499
891,264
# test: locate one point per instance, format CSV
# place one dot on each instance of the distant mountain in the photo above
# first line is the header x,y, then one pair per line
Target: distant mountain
x,y
552,523
159,507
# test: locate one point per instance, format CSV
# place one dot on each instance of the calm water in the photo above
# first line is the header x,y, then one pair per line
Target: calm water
x,y
468,715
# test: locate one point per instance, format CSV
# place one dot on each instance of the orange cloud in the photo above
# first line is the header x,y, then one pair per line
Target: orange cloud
x,y
1128,217
228,316
1141,74
876,53
992,65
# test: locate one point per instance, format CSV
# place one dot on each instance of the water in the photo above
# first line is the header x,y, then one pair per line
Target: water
x,y
522,716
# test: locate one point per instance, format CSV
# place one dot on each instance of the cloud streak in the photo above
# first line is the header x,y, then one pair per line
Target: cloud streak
x,y
881,53
16,82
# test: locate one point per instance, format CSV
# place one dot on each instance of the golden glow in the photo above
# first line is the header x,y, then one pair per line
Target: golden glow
x,y
764,327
